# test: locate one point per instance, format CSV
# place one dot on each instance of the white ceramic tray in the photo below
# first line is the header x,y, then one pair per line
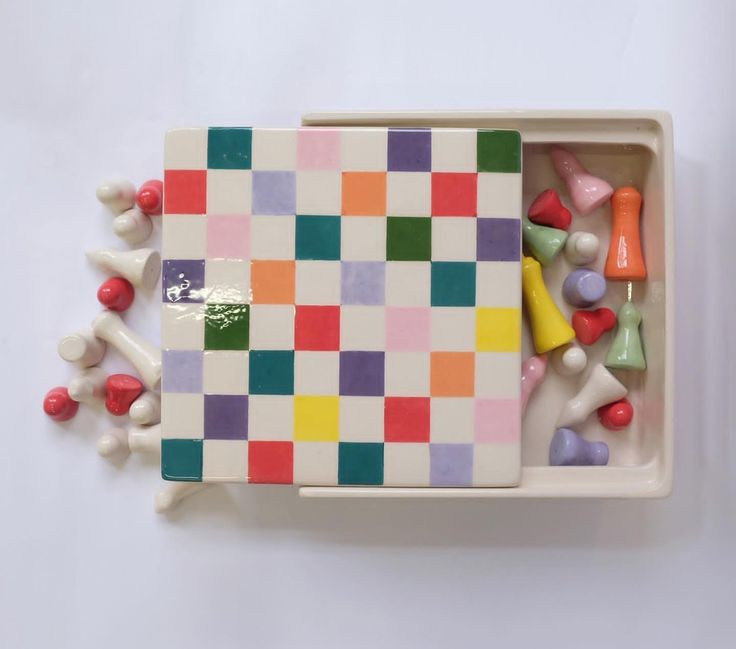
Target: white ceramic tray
x,y
625,147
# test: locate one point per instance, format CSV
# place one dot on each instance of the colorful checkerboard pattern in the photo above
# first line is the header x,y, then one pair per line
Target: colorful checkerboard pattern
x,y
342,306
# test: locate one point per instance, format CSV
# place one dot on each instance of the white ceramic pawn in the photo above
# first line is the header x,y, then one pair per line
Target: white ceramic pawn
x,y
113,445
145,439
601,388
132,226
174,493
118,195
144,356
88,386
82,348
146,409
569,359
140,267
582,248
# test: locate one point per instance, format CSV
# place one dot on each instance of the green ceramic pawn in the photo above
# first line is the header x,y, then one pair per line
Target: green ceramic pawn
x,y
626,351
543,243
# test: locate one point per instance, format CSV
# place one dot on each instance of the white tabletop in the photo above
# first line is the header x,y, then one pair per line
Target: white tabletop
x,y
88,91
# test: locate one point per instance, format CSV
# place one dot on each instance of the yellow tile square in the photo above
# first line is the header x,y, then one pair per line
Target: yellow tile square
x,y
316,419
498,330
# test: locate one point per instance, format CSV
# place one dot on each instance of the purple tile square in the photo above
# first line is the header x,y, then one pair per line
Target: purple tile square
x,y
181,371
362,374
450,465
499,240
409,150
274,192
182,280
225,416
363,282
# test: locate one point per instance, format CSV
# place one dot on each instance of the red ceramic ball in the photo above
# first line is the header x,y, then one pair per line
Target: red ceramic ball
x,y
616,415
116,294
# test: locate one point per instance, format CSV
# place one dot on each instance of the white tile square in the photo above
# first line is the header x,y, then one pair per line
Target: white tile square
x,y
224,460
498,283
452,329
363,239
406,465
407,374
408,283
455,150
272,237
497,375
182,326
318,282
317,373
454,238
496,465
186,148
184,236
408,193
315,463
499,194
365,149
229,191
226,281
225,372
271,326
182,416
452,420
362,328
318,192
361,419
273,149
270,417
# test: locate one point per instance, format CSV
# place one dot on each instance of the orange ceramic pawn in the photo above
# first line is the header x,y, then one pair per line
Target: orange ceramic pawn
x,y
625,260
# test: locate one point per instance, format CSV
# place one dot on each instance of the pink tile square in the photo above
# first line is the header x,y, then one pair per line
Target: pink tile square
x,y
318,148
228,237
407,329
498,421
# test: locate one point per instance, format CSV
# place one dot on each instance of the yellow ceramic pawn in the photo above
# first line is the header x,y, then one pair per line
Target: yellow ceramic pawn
x,y
549,327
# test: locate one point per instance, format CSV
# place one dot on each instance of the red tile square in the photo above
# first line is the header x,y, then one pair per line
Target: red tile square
x,y
317,328
406,419
271,462
185,192
454,194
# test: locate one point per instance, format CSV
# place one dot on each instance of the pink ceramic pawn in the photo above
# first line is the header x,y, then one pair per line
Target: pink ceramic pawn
x,y
532,373
587,192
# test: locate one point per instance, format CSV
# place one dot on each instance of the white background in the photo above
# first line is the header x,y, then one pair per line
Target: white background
x,y
88,89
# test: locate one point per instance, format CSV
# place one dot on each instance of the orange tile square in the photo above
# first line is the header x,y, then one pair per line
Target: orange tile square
x,y
272,282
364,193
452,374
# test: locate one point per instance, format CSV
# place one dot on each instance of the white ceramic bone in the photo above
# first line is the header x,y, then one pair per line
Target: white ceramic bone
x,y
145,357
132,226
145,439
88,386
82,348
569,359
140,267
118,195
174,493
582,248
146,409
601,388
113,445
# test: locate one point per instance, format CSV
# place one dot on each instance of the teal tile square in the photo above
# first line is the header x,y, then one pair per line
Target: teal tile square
x,y
229,148
453,283
360,463
181,460
271,372
499,151
318,237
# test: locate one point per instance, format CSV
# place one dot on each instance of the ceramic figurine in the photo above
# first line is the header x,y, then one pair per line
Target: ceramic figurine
x,y
616,415
140,267
121,391
583,287
116,294
150,197
569,359
82,348
625,260
132,226
118,195
547,209
582,248
587,192
569,449
58,405
532,373
89,386
601,388
542,242
589,326
146,409
626,351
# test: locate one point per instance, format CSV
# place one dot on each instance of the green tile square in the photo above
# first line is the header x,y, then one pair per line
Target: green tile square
x,y
181,460
318,237
408,238
360,463
226,326
229,148
453,283
271,372
499,151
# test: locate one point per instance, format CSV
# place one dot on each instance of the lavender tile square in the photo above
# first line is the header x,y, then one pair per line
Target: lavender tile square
x,y
274,192
499,239
409,150
363,282
450,465
225,416
362,374
181,371
182,280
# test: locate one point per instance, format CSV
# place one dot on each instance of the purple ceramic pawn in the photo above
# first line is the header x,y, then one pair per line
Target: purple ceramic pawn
x,y
583,287
569,449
